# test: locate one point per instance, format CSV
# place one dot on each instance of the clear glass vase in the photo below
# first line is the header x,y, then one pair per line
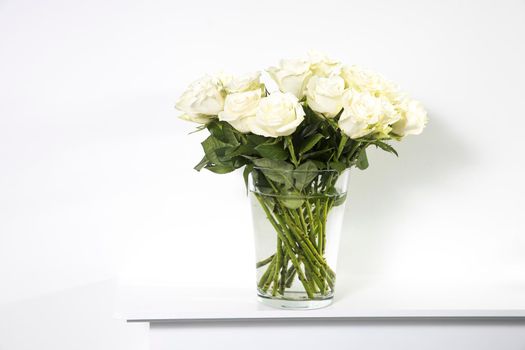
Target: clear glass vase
x,y
297,218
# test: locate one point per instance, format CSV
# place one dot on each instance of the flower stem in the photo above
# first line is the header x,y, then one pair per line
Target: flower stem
x,y
266,275
264,262
278,266
287,248
290,275
291,150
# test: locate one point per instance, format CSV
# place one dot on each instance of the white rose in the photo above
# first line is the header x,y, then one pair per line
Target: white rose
x,y
361,79
389,116
279,114
203,97
240,108
243,125
413,118
291,76
325,95
364,113
246,82
322,65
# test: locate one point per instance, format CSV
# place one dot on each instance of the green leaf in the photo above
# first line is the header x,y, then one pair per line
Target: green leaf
x,y
197,129
291,148
215,130
249,157
246,173
292,203
210,147
273,164
223,131
349,145
312,125
277,171
339,200
318,163
260,181
339,166
310,143
304,174
362,160
228,153
201,164
272,151
239,162
220,169
256,139
342,143
229,134
317,154
351,154
385,147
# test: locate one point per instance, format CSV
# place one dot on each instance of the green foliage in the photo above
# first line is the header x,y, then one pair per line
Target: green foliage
x,y
317,144
220,169
339,200
213,147
291,202
273,164
273,151
362,159
277,171
385,147
245,174
304,174
341,146
201,164
224,149
339,166
310,142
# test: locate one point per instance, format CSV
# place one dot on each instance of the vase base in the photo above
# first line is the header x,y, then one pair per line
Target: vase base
x,y
295,304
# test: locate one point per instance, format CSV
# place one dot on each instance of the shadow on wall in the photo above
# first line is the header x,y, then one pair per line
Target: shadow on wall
x,y
381,195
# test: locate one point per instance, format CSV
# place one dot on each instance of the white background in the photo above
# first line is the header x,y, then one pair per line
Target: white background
x,y
96,176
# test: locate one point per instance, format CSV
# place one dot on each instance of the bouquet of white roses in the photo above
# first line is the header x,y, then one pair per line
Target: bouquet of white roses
x,y
294,143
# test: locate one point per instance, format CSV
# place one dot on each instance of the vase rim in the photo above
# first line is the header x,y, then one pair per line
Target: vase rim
x,y
324,171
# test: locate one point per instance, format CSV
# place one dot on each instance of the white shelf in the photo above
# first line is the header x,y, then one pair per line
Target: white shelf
x,y
385,300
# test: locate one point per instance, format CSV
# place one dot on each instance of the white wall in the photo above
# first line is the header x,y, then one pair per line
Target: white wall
x,y
96,172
